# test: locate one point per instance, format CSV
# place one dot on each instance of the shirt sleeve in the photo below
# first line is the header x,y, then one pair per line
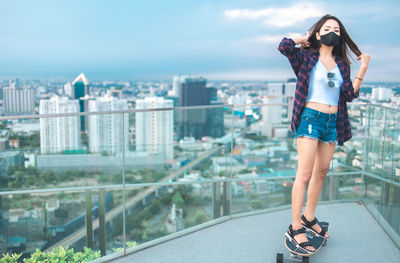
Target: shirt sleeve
x,y
295,55
347,87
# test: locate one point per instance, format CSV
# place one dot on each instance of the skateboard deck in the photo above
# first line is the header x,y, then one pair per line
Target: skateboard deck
x,y
298,254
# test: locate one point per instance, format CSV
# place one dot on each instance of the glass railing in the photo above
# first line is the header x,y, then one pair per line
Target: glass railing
x,y
164,172
381,168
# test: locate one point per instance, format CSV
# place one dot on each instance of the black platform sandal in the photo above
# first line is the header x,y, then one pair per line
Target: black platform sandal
x,y
298,246
308,224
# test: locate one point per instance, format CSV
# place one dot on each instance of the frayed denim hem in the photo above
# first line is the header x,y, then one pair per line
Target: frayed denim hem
x,y
328,142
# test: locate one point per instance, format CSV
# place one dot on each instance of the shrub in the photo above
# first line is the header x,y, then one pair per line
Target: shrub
x,y
255,204
59,254
128,245
10,259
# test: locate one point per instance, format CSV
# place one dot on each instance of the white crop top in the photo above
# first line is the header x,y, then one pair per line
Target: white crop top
x,y
319,90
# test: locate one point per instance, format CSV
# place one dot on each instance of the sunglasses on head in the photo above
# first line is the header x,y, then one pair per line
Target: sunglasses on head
x,y
331,83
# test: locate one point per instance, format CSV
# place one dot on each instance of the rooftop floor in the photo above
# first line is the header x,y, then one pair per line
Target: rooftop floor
x,y
355,236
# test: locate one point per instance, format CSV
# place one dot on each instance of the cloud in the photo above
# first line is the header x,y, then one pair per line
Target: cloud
x,y
279,17
268,39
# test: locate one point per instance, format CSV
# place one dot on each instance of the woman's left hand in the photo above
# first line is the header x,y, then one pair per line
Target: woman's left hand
x,y
364,59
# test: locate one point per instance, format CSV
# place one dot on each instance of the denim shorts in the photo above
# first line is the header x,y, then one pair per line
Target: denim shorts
x,y
317,125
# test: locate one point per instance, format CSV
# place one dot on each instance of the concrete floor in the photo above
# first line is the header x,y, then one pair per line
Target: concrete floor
x,y
355,237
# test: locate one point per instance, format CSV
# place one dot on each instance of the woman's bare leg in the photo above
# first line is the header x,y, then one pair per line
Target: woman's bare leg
x,y
306,152
320,169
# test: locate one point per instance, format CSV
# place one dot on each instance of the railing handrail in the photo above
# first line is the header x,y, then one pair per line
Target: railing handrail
x,y
141,185
179,108
382,106
38,116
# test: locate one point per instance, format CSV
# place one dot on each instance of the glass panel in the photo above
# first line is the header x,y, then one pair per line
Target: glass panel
x,y
372,190
262,163
167,144
390,204
258,194
349,187
158,211
374,146
113,221
42,220
55,153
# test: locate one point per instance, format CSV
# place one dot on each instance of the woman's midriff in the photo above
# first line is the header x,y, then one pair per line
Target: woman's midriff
x,y
321,107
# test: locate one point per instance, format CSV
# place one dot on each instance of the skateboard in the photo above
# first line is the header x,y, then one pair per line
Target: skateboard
x,y
296,254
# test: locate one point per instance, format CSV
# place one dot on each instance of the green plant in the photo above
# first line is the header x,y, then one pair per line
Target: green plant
x,y
10,259
178,200
128,245
255,204
62,255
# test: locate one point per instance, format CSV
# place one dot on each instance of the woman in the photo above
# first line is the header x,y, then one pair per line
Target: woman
x,y
320,117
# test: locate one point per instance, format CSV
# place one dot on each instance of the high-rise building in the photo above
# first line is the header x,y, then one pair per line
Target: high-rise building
x,y
176,83
290,89
116,93
69,90
7,159
271,115
80,91
18,100
108,132
215,120
276,89
382,94
58,134
196,122
154,130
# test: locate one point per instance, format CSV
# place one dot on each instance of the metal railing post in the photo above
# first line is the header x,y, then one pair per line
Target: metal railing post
x,y
123,183
383,163
44,211
227,195
333,187
89,223
216,200
102,232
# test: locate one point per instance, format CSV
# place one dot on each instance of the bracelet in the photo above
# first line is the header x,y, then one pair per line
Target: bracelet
x,y
359,78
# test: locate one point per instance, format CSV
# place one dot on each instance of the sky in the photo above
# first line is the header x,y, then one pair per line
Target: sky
x,y
150,40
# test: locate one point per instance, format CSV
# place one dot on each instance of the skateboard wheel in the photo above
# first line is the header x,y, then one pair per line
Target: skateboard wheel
x,y
279,258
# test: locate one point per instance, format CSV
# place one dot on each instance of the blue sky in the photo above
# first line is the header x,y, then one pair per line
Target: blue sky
x,y
139,40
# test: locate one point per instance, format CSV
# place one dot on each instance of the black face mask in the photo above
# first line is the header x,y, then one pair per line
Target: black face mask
x,y
330,39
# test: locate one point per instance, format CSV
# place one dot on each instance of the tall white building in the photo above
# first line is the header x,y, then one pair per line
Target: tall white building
x,y
382,93
18,100
271,115
290,90
108,132
176,82
275,89
154,130
69,90
59,133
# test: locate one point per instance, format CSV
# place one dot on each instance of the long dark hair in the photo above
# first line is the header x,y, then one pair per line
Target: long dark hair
x,y
345,41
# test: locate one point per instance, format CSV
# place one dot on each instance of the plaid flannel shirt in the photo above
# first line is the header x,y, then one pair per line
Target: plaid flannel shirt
x,y
302,62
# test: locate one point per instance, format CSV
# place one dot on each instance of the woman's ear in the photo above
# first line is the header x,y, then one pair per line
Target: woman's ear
x,y
317,36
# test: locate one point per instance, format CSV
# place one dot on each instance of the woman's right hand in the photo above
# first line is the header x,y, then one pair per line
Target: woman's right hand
x,y
303,40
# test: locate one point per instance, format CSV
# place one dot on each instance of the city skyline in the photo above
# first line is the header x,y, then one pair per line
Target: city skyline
x,y
228,40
